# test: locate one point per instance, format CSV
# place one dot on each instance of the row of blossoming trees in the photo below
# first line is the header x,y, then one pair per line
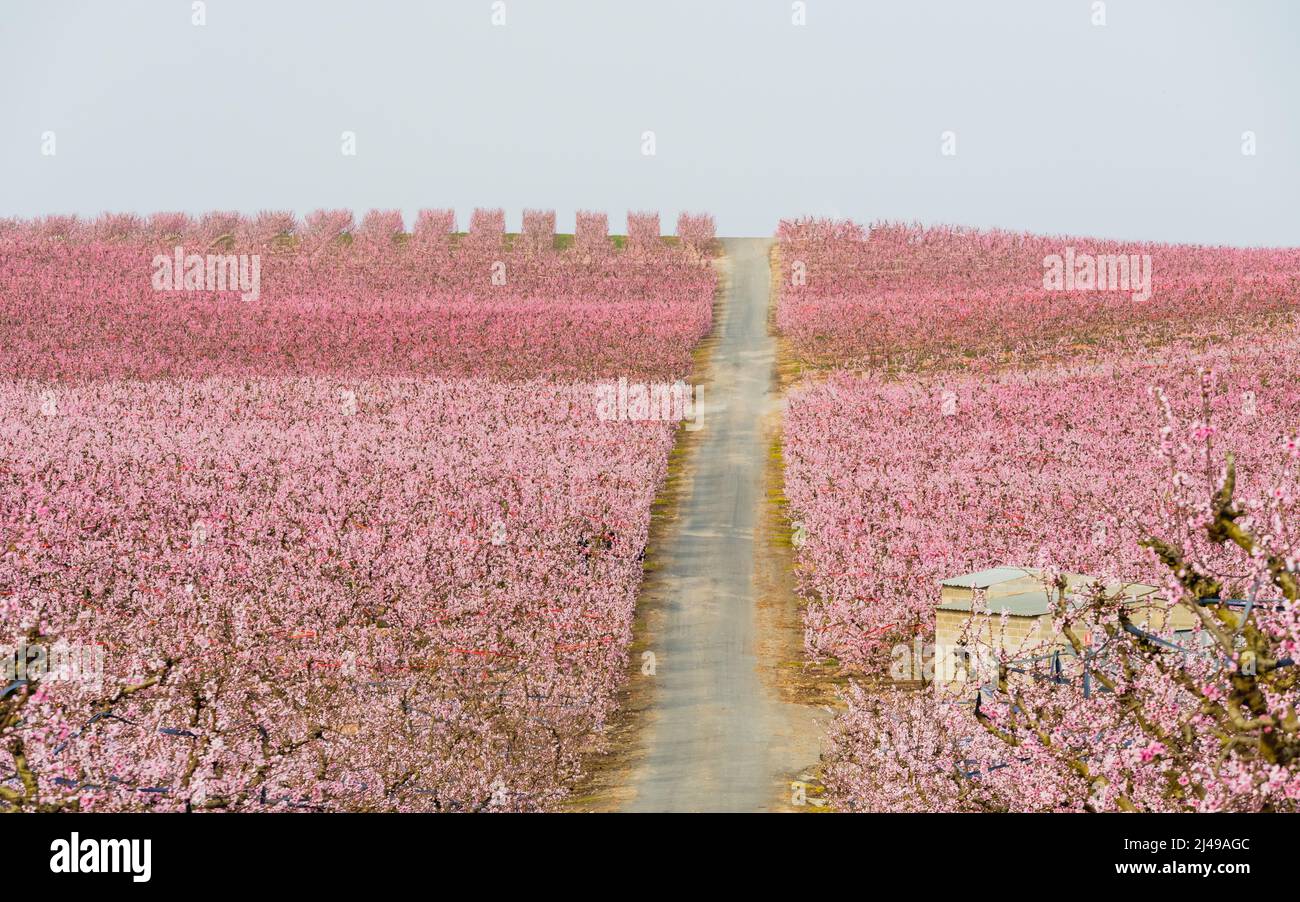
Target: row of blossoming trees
x,y
360,544
957,415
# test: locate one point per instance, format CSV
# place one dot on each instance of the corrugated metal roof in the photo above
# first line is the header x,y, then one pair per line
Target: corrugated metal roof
x,y
1023,604
985,578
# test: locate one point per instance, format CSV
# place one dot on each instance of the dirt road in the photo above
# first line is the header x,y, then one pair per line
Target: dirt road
x,y
718,738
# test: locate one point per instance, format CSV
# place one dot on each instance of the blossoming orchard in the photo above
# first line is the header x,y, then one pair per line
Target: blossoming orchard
x,y
383,519
956,417
361,544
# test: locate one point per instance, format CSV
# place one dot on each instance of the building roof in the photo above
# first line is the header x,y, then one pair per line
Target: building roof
x,y
985,578
1022,604
1020,593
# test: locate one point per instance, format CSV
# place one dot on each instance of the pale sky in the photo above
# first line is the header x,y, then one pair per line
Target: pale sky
x,y
1128,130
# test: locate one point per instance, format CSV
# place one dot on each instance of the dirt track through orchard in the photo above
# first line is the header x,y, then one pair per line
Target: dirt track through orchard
x,y
718,737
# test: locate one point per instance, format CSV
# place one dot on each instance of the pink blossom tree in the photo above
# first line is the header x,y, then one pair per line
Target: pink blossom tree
x,y
538,233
